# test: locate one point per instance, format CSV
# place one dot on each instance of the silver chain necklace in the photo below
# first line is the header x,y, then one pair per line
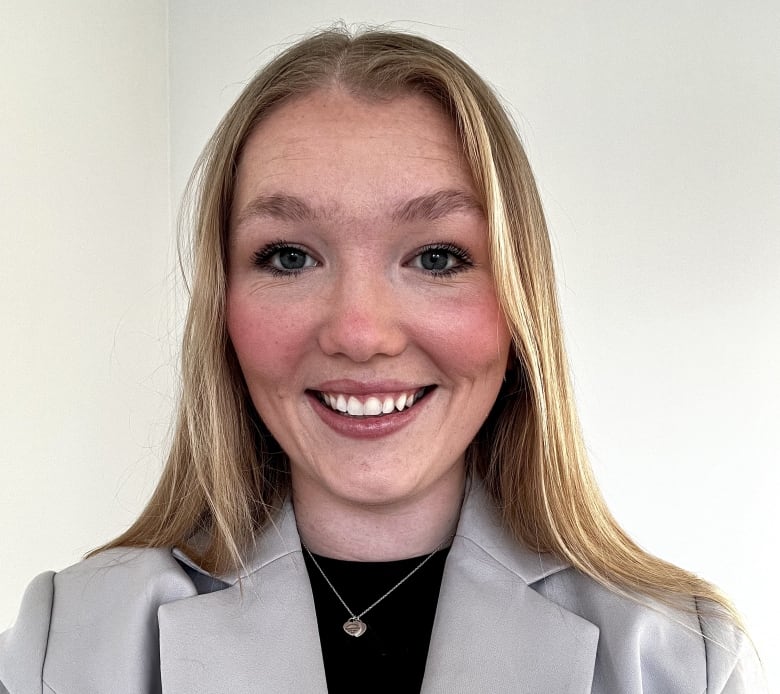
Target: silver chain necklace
x,y
355,626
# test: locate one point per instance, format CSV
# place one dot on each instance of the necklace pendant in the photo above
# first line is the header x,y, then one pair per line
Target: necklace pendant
x,y
354,626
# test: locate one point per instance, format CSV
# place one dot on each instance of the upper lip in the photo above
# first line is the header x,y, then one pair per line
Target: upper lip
x,y
349,386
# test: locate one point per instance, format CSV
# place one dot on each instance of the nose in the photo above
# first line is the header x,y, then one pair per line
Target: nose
x,y
363,318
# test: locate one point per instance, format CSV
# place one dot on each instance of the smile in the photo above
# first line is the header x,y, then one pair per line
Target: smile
x,y
373,405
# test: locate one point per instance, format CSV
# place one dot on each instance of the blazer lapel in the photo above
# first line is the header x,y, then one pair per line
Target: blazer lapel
x,y
495,633
259,635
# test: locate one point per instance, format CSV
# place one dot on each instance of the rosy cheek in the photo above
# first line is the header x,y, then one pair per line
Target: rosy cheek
x,y
264,337
470,335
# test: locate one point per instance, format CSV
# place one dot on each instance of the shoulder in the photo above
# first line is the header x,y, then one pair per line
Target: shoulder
x,y
120,575
100,613
670,649
643,646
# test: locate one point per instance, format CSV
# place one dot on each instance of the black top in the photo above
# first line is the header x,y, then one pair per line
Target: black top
x,y
390,656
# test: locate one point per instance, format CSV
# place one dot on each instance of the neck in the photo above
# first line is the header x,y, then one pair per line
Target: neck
x,y
341,529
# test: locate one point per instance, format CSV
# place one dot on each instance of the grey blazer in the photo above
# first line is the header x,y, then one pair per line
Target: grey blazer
x,y
508,620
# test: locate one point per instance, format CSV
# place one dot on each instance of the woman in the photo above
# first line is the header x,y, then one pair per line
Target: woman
x,y
377,480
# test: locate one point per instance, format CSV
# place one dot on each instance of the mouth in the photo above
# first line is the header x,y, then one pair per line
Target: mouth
x,y
379,405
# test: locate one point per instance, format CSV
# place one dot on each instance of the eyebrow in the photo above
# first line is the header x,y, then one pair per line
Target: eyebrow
x,y
436,205
279,206
427,207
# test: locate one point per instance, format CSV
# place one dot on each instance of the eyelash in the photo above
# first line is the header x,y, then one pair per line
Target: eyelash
x,y
264,259
460,254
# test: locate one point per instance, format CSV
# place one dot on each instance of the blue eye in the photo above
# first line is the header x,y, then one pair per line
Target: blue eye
x,y
442,259
291,259
436,260
283,259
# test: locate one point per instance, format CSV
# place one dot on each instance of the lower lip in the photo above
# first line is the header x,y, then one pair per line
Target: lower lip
x,y
368,427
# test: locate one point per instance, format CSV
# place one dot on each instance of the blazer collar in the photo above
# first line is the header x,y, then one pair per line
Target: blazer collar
x,y
479,524
492,632
257,635
278,539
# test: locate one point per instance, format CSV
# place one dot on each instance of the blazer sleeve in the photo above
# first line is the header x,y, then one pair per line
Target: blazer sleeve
x,y
747,676
733,665
23,646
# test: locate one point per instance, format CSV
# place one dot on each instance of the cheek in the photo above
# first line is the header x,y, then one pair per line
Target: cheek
x,y
470,336
267,338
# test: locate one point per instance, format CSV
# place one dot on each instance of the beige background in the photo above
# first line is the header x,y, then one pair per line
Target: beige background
x,y
654,134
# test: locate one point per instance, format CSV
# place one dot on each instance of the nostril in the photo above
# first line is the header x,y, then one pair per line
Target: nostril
x,y
361,333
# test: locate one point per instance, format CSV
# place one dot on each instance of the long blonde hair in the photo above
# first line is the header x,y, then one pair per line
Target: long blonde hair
x,y
225,475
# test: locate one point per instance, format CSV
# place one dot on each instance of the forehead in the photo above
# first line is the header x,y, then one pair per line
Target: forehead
x,y
350,155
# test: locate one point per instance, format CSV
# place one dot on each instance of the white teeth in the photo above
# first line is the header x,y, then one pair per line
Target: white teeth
x,y
372,406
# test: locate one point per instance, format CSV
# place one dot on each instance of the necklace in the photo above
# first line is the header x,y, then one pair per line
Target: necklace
x,y
355,626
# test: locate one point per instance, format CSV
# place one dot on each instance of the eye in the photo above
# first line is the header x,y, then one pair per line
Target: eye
x,y
283,259
442,259
291,258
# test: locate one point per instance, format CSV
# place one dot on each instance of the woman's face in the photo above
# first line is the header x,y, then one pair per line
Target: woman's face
x,y
360,300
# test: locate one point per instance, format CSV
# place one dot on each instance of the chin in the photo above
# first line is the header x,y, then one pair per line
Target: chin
x,y
374,492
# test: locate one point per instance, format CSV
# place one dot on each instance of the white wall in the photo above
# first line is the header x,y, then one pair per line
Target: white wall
x,y
84,223
653,132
